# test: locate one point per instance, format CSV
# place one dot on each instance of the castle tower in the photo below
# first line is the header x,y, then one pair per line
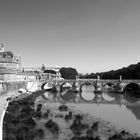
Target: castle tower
x,y
9,64
2,48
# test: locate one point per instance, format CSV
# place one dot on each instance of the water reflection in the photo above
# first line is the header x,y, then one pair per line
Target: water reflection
x,y
135,110
130,98
48,95
121,117
98,99
47,86
108,97
87,88
123,110
119,109
87,92
68,95
87,96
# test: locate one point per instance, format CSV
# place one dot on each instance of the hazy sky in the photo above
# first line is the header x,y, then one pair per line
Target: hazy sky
x,y
89,35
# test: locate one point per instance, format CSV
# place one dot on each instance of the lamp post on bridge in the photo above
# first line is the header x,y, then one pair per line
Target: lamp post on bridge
x,y
77,77
120,78
98,78
120,84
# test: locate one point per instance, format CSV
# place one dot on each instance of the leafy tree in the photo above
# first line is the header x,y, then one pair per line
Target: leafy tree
x,y
43,67
68,73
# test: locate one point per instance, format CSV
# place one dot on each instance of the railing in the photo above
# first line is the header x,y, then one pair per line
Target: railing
x,y
93,80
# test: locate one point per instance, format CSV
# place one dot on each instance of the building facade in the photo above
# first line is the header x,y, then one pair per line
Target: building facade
x,y
9,63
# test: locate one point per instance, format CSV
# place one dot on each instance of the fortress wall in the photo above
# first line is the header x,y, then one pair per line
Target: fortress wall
x,y
7,87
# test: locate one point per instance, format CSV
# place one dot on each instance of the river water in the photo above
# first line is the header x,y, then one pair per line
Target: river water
x,y
122,110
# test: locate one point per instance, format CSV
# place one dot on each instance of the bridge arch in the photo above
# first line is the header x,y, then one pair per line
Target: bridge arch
x,y
65,85
109,84
46,85
87,97
133,88
108,97
86,84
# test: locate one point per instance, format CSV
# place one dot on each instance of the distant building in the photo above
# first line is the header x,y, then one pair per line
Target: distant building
x,y
50,72
9,63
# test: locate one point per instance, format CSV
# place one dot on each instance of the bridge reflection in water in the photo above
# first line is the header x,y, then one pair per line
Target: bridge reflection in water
x,y
107,97
123,110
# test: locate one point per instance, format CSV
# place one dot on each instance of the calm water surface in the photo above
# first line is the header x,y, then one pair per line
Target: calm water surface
x,y
121,110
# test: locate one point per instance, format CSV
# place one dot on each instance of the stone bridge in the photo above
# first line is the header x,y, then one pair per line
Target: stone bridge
x,y
98,84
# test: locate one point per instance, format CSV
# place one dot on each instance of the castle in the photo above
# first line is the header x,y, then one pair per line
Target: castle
x,y
9,63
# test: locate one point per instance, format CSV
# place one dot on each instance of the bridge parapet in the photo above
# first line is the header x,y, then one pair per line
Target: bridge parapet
x,y
119,84
108,80
131,81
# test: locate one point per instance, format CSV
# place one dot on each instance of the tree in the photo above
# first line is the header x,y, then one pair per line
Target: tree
x,y
68,73
43,67
130,72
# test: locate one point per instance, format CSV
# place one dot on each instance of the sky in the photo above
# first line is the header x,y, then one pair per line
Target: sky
x,y
89,35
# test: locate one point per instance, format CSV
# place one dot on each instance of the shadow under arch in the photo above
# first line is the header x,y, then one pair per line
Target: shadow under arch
x,y
109,84
133,89
43,85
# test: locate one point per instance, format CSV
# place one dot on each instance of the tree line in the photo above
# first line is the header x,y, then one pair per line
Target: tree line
x,y
66,72
130,72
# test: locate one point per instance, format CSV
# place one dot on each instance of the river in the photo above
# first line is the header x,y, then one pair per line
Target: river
x,y
121,110
114,111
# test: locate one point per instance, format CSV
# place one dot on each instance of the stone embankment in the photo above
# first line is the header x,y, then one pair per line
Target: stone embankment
x,y
9,89
3,106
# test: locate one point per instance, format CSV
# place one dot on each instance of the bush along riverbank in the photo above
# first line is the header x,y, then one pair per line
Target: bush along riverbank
x,y
33,119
